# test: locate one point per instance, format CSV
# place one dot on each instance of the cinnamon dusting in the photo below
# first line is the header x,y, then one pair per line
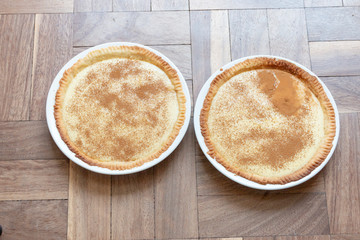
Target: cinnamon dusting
x,y
281,89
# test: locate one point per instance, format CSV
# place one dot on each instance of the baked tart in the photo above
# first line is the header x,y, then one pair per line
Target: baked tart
x,y
267,120
120,107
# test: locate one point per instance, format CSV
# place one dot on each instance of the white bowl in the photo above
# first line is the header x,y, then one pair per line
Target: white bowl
x,y
234,177
64,148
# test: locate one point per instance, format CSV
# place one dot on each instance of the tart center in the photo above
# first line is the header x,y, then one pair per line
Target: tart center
x,y
266,121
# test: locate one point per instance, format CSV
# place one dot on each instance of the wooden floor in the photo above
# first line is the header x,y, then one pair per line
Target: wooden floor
x,y
45,196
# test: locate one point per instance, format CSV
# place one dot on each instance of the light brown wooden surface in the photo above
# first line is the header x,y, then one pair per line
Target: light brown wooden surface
x,y
333,28
288,35
339,58
27,140
132,205
89,204
342,177
263,214
15,68
93,5
38,6
45,219
324,237
249,39
43,195
142,27
131,5
175,193
52,49
34,179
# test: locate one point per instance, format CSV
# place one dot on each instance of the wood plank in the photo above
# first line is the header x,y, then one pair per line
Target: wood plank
x,y
52,49
16,42
286,42
180,55
318,237
266,214
258,238
249,33
27,140
34,179
237,238
346,237
322,3
33,219
211,182
335,58
133,206
92,5
175,192
89,204
209,33
346,92
151,28
333,28
244,4
161,5
38,6
342,178
351,2
131,5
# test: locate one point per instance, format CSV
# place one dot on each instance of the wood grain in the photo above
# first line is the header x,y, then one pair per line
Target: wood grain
x,y
131,5
33,219
27,140
345,237
244,4
180,55
89,204
333,28
175,192
93,5
209,33
151,28
34,179
161,5
211,182
322,3
223,238
335,58
16,40
286,42
133,206
351,2
258,238
249,33
52,49
346,92
319,237
342,178
263,215
38,6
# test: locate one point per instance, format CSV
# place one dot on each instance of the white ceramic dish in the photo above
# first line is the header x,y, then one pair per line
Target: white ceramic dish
x,y
64,148
234,177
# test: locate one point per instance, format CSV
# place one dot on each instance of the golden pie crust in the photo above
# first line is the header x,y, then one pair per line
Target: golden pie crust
x,y
119,107
268,120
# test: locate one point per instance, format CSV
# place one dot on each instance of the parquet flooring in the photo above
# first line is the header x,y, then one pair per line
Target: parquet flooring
x,y
43,195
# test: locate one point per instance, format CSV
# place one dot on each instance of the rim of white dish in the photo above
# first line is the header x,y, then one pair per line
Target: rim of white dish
x,y
64,148
233,176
